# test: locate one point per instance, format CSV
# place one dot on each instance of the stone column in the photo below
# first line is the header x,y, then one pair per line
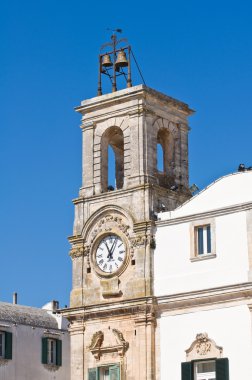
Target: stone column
x,y
88,160
77,343
184,154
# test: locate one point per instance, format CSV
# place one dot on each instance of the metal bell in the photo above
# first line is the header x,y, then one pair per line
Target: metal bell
x,y
106,62
121,60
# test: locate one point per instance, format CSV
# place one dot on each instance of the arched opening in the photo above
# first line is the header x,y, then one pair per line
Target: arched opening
x,y
112,159
111,168
160,158
165,157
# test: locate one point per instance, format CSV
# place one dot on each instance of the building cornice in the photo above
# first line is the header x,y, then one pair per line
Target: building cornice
x,y
180,303
207,214
208,298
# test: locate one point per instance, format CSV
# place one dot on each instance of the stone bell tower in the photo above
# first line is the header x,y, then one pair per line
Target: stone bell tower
x,y
112,310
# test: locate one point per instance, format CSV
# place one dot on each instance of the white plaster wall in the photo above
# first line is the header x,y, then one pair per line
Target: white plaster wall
x,y
26,356
229,328
175,273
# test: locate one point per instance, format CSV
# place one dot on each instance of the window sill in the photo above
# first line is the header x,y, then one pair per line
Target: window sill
x,y
4,361
207,256
51,367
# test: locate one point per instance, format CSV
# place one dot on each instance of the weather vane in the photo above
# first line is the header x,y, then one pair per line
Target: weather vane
x,y
115,62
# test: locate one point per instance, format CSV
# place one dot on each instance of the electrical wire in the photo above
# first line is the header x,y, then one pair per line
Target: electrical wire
x,y
138,68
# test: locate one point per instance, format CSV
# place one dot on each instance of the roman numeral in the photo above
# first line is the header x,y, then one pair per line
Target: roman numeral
x,y
120,259
121,251
101,261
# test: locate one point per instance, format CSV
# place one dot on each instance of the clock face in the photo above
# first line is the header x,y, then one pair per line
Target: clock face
x,y
110,254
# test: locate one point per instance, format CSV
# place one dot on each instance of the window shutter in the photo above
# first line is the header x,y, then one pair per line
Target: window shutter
x,y
58,352
186,371
8,345
114,372
209,249
44,350
222,369
93,374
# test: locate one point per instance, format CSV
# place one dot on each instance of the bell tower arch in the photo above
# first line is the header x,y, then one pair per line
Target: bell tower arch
x,y
112,308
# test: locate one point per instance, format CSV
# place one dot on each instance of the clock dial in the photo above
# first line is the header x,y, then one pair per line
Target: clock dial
x,y
110,254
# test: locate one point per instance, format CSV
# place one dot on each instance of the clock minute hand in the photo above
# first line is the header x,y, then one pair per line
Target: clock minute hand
x,y
114,245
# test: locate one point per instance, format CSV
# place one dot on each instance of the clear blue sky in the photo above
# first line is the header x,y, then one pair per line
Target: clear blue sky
x,y
199,52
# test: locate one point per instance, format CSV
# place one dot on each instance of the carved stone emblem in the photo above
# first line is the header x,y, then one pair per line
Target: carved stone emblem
x,y
119,347
107,223
203,347
96,343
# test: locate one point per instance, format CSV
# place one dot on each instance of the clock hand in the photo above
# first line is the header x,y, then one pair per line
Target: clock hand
x,y
114,245
109,252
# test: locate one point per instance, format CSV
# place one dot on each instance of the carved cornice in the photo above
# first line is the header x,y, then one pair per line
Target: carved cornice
x,y
140,307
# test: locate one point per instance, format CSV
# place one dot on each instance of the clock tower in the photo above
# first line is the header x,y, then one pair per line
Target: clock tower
x,y
112,310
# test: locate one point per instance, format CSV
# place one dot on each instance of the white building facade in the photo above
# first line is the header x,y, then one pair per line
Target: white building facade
x,y
202,280
34,343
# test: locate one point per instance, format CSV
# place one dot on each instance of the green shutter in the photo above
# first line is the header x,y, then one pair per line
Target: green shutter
x,y
187,371
114,372
93,374
58,352
44,350
8,345
222,369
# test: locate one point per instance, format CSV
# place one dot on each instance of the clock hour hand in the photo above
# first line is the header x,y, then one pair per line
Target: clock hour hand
x,y
110,256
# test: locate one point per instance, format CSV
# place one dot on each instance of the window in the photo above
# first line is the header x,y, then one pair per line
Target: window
x,y
205,370
215,369
5,345
111,372
51,351
203,239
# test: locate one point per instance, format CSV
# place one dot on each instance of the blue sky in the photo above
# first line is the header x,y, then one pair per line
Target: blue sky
x,y
199,52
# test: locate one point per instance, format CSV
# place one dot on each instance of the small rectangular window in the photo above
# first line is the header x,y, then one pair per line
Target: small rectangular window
x,y
51,351
203,239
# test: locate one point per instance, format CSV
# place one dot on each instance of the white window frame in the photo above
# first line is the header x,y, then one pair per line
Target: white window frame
x,y
2,344
204,375
51,351
194,228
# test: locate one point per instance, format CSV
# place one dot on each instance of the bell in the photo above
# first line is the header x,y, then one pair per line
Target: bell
x,y
106,62
121,60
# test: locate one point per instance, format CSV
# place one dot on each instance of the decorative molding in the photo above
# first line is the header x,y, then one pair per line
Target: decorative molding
x,y
122,344
214,297
96,342
97,349
107,223
203,348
